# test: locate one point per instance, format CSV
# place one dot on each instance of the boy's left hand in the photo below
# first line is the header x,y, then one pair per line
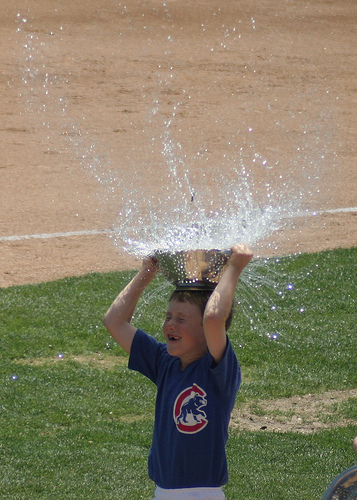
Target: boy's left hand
x,y
241,256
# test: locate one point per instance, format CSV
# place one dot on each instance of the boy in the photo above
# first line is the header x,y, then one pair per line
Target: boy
x,y
197,376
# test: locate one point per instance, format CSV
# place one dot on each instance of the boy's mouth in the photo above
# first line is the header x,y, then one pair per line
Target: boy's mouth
x,y
173,337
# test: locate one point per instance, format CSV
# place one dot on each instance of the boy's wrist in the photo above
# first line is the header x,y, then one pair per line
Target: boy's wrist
x,y
149,268
235,268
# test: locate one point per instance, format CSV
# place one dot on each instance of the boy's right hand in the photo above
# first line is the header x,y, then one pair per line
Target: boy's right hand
x,y
241,256
150,264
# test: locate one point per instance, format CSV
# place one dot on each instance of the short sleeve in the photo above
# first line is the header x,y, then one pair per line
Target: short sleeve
x,y
227,373
145,355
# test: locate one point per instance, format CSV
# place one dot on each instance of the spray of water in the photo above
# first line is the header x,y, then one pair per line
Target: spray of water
x,y
198,204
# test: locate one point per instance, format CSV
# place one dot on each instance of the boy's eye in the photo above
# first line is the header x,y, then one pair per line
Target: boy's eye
x,y
177,319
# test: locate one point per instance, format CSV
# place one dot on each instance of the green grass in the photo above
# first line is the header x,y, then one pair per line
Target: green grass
x,y
79,426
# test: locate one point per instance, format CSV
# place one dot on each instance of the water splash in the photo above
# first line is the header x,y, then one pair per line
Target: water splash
x,y
179,195
187,189
199,203
223,206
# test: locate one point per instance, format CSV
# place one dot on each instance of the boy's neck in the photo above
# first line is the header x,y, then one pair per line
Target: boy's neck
x,y
189,360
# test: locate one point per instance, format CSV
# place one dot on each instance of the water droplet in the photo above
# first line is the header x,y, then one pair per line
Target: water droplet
x,y
290,286
13,377
302,309
273,308
60,356
273,336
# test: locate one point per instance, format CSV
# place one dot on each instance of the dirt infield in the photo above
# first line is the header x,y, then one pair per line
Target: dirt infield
x,y
105,58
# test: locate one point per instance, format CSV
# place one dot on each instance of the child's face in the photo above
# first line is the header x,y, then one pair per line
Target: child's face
x,y
184,332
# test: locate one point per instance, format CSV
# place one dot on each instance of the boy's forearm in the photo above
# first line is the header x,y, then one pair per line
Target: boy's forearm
x,y
220,302
118,318
124,305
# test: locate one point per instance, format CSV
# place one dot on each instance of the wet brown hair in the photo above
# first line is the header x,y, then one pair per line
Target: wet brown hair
x,y
198,298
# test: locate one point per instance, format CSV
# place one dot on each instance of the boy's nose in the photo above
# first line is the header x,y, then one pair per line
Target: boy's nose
x,y
170,324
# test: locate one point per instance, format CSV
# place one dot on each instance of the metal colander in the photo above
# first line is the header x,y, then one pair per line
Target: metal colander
x,y
193,269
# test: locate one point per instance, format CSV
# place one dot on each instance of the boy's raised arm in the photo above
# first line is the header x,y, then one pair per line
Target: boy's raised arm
x,y
118,317
220,303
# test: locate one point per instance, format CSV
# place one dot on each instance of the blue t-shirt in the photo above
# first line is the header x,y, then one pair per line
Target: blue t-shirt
x,y
193,408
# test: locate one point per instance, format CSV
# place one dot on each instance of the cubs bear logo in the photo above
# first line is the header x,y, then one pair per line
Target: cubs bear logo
x,y
187,412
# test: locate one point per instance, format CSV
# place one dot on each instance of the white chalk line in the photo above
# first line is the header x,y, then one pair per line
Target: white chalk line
x,y
44,236
337,210
89,232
